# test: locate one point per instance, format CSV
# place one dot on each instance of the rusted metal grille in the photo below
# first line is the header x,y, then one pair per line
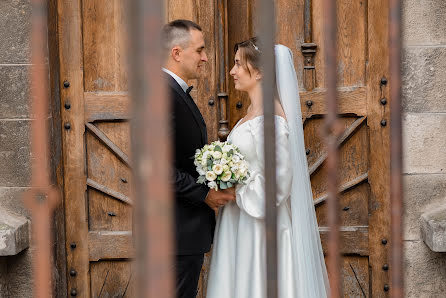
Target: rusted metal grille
x,y
151,153
151,148
330,139
396,189
42,198
266,21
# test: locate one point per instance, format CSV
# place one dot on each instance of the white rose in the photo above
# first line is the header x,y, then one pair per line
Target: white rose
x,y
226,176
225,168
201,171
204,162
213,185
217,154
218,169
227,148
231,164
235,158
223,161
211,176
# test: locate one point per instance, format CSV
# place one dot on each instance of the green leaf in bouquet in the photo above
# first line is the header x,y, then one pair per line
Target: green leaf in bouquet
x,y
229,184
210,162
223,185
230,152
201,179
233,181
218,148
209,168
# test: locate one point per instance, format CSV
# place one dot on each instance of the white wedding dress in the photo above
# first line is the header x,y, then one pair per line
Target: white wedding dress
x,y
238,262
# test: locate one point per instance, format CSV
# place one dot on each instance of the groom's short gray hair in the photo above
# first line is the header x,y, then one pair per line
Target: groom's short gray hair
x,y
177,33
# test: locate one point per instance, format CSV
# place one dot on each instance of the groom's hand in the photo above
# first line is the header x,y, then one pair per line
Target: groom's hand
x,y
216,199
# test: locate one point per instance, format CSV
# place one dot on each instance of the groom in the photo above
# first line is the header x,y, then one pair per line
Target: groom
x,y
195,204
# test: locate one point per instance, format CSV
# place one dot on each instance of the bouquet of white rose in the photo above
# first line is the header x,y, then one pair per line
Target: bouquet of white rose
x,y
221,165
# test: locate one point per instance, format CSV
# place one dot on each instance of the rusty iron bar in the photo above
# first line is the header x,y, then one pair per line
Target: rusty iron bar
x,y
42,198
266,23
396,183
330,136
151,152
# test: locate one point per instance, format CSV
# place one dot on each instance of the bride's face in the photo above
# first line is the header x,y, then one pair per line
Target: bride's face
x,y
244,80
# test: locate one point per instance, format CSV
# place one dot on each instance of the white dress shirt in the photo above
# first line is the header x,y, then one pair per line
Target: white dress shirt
x,y
179,80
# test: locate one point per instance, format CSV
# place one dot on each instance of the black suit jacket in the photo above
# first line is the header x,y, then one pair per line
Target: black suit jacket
x,y
195,220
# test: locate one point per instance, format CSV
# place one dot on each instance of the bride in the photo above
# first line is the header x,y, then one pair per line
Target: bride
x,y
238,263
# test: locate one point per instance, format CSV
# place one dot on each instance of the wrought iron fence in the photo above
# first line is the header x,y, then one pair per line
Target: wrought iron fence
x,y
151,150
42,198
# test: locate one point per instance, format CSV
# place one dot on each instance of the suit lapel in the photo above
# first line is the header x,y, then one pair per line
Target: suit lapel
x,y
191,105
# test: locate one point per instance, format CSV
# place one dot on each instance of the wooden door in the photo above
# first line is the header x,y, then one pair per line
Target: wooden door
x,y
95,114
96,134
364,142
96,147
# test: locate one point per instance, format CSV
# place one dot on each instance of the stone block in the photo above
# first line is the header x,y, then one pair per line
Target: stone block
x,y
433,228
14,233
421,193
11,198
20,275
15,155
424,79
14,92
15,29
424,22
425,271
424,143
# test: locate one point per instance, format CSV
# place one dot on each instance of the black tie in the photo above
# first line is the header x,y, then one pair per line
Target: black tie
x,y
189,89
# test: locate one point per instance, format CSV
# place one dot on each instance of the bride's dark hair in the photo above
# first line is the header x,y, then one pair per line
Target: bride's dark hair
x,y
249,53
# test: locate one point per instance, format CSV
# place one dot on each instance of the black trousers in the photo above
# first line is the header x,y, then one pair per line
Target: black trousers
x,y
188,270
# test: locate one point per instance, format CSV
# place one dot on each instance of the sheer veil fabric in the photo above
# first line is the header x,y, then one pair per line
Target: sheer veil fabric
x,y
312,279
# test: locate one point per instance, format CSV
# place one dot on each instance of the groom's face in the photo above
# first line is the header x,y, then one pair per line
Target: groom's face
x,y
194,56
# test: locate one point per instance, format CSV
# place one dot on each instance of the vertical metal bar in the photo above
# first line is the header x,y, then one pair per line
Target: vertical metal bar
x,y
41,199
331,131
151,152
397,282
266,24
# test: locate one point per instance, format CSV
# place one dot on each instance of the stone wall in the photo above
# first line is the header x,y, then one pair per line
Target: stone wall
x,y
424,124
15,120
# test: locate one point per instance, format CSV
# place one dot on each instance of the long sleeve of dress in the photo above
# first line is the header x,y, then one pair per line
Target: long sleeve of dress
x,y
251,196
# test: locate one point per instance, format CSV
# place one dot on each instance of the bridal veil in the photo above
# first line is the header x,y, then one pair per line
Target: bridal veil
x,y
312,279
